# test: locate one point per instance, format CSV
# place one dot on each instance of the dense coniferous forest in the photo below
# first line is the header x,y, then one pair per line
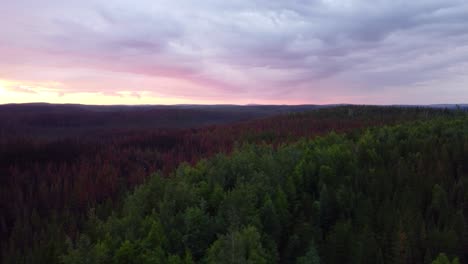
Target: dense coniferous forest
x,y
387,195
49,121
282,196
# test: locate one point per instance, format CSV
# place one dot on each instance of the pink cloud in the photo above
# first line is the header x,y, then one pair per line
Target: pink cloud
x,y
247,51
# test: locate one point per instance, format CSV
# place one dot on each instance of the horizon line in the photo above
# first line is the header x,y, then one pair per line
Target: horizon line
x,y
221,104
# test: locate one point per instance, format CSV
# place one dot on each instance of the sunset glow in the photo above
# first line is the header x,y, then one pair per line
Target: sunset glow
x,y
2,90
179,52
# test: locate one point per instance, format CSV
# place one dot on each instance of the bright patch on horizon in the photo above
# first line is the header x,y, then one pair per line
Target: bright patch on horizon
x,y
2,90
51,92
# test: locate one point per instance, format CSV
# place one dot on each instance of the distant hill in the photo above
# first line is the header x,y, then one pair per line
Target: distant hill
x,y
65,120
450,106
51,120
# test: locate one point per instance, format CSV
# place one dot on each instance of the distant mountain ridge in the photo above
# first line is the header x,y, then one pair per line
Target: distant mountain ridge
x,y
51,119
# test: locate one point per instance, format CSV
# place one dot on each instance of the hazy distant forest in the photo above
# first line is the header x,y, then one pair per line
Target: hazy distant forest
x,y
231,184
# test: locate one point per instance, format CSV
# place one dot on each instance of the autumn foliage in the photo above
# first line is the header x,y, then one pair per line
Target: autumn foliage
x,y
48,184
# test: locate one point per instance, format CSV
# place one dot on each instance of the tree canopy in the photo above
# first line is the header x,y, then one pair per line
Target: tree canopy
x,y
392,194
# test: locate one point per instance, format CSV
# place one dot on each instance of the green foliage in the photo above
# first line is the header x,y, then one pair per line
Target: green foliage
x,y
238,247
443,259
378,197
311,257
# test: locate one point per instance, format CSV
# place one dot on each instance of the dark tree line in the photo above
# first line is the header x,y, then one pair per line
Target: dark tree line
x,y
48,185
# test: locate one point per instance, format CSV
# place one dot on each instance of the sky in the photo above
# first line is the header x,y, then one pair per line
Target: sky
x,y
234,52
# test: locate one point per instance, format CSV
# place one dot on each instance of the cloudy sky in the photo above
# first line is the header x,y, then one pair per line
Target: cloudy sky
x,y
238,51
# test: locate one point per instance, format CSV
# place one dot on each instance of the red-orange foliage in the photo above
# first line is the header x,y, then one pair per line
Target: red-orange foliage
x,y
66,177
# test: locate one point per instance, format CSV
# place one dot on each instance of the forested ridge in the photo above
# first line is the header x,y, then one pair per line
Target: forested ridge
x,y
49,184
391,194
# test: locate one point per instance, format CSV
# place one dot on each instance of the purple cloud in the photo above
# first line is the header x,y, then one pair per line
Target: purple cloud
x,y
285,51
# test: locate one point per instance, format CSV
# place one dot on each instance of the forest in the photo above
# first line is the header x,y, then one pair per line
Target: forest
x,y
395,194
345,184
